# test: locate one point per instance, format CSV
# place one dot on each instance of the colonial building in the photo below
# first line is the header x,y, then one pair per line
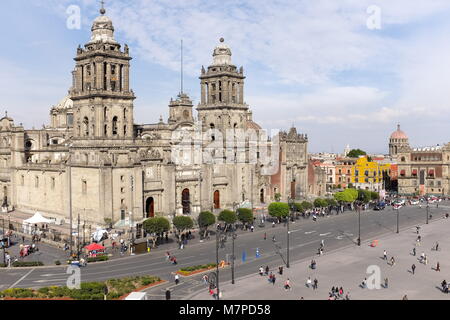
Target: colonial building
x,y
422,171
95,162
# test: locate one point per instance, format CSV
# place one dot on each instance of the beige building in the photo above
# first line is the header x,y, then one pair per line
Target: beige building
x,y
95,162
422,171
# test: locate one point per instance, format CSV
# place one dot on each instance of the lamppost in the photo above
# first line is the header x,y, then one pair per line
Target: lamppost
x,y
217,263
78,237
291,203
428,208
232,241
359,223
398,209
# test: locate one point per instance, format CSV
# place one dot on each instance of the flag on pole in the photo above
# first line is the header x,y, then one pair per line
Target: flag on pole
x,y
257,252
244,256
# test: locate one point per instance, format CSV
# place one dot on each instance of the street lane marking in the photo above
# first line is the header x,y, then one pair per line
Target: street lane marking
x,y
325,234
26,275
309,232
49,280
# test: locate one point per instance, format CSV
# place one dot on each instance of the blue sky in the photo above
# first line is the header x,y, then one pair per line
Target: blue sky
x,y
314,64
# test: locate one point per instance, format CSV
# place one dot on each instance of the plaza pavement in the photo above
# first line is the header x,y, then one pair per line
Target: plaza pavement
x,y
347,268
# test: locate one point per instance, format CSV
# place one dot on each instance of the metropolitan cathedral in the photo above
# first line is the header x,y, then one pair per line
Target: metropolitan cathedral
x,y
94,162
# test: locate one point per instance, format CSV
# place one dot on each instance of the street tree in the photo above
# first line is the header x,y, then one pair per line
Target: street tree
x,y
307,205
279,209
227,216
245,215
156,226
320,203
205,220
183,223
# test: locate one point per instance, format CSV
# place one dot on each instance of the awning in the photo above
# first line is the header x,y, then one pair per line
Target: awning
x,y
414,172
431,172
38,218
95,247
403,172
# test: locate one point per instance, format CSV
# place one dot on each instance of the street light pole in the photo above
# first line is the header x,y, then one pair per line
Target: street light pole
x,y
78,237
359,224
428,208
398,209
232,258
287,234
217,263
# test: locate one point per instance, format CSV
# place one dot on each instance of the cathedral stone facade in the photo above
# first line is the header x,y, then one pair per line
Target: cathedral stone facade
x,y
94,162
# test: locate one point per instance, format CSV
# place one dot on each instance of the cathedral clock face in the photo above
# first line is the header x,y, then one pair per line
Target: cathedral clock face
x,y
186,114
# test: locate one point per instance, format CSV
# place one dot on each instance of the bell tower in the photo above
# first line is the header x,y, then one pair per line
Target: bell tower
x,y
102,99
222,103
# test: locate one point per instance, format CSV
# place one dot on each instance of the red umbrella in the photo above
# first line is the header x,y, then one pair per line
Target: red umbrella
x,y
94,246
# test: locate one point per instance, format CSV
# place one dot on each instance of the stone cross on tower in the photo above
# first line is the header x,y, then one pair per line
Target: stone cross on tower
x,y
102,10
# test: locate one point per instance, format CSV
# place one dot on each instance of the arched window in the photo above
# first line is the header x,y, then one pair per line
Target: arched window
x,y
114,126
105,110
86,126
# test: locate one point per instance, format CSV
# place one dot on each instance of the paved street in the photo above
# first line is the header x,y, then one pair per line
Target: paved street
x,y
337,231
347,268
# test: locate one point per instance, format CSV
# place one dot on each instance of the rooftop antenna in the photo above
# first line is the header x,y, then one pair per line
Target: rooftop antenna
x,y
181,66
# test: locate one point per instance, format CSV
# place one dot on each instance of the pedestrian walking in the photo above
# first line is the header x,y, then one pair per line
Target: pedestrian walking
x,y
413,268
422,257
347,296
364,283
205,279
265,236
287,284
177,279
384,255
308,282
438,267
167,255
261,271
167,294
426,260
274,279
437,246
270,277
316,282
414,252
386,283
280,270
405,297
267,270
392,261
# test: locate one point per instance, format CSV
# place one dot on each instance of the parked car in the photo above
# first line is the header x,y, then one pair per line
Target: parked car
x,y
379,206
414,202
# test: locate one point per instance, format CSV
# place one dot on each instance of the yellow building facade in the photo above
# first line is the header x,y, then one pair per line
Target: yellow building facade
x,y
368,175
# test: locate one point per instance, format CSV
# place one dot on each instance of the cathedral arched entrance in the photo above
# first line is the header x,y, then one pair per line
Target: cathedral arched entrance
x,y
186,201
216,199
150,207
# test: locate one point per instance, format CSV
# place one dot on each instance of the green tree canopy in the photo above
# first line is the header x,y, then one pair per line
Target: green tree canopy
x,y
307,205
348,195
279,209
331,202
245,215
320,203
183,223
374,195
355,153
156,225
227,216
277,197
299,207
206,219
364,196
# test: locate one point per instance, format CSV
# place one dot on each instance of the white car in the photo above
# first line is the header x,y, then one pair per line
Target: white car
x,y
414,202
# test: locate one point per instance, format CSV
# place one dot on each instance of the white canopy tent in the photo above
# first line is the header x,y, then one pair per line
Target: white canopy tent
x,y
37,218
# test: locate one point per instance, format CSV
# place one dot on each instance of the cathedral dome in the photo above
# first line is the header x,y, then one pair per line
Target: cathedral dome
x,y
253,125
65,103
102,30
399,134
222,54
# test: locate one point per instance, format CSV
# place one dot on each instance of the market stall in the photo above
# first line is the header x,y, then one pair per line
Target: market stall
x,y
94,249
30,225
